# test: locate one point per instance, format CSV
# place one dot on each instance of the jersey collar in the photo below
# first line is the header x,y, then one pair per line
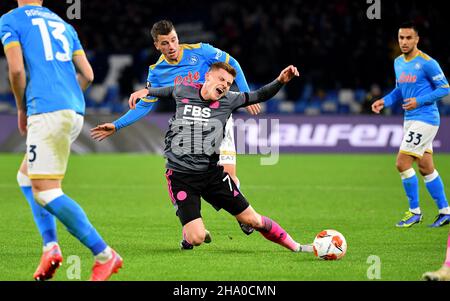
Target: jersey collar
x,y
410,60
33,4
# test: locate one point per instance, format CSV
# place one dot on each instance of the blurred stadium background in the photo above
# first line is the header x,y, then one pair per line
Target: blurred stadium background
x,y
345,59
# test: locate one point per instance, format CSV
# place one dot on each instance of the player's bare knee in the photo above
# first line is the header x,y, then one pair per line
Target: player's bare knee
x,y
196,239
426,170
402,166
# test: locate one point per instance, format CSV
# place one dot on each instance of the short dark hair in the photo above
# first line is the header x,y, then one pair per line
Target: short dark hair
x,y
410,25
221,65
163,27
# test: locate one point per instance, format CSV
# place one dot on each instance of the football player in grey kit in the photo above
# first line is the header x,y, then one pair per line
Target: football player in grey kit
x,y
192,152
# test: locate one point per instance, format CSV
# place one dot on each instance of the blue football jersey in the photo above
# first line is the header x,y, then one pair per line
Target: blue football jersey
x,y
48,44
421,78
194,62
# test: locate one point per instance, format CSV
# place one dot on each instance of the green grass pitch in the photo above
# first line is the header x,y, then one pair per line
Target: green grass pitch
x,y
126,199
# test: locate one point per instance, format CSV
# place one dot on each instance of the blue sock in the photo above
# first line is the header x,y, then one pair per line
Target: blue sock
x,y
435,187
76,222
411,186
45,222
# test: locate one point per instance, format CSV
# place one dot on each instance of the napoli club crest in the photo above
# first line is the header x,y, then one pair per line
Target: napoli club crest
x,y
193,60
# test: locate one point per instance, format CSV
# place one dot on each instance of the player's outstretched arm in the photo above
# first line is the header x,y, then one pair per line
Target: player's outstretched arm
x,y
270,90
241,82
164,92
287,74
103,131
135,96
377,106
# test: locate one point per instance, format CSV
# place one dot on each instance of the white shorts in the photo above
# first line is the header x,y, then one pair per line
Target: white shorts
x,y
49,138
227,148
418,138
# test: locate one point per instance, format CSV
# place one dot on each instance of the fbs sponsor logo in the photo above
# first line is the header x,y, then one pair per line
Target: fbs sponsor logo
x,y
328,136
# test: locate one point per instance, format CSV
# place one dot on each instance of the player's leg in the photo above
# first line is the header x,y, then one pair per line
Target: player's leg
x,y
45,222
228,161
194,232
435,187
412,147
184,192
411,186
223,193
443,274
52,135
271,230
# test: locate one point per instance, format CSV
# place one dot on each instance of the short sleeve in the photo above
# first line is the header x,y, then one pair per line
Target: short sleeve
x,y
152,80
8,32
214,55
77,47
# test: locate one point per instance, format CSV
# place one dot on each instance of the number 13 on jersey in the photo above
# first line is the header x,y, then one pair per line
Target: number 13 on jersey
x,y
58,34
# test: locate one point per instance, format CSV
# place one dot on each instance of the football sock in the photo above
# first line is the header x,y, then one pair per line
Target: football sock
x,y
447,259
73,217
411,186
104,256
49,246
273,232
45,222
435,187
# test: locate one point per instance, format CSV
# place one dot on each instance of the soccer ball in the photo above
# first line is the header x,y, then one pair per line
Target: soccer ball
x,y
329,245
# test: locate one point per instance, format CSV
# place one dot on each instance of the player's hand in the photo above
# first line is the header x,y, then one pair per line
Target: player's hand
x,y
254,109
377,106
287,74
22,122
103,131
135,96
409,104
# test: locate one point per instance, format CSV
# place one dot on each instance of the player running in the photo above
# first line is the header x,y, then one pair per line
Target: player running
x,y
185,63
420,85
192,142
52,117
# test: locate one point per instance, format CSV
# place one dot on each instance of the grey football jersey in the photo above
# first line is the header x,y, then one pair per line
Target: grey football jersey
x,y
197,129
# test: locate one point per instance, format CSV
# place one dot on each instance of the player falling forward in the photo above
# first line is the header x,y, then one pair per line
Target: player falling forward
x,y
52,118
420,85
185,63
192,165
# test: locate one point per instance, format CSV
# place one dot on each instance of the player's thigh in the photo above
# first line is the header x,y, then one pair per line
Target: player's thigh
x,y
426,164
185,195
222,193
418,138
23,166
228,148
49,138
